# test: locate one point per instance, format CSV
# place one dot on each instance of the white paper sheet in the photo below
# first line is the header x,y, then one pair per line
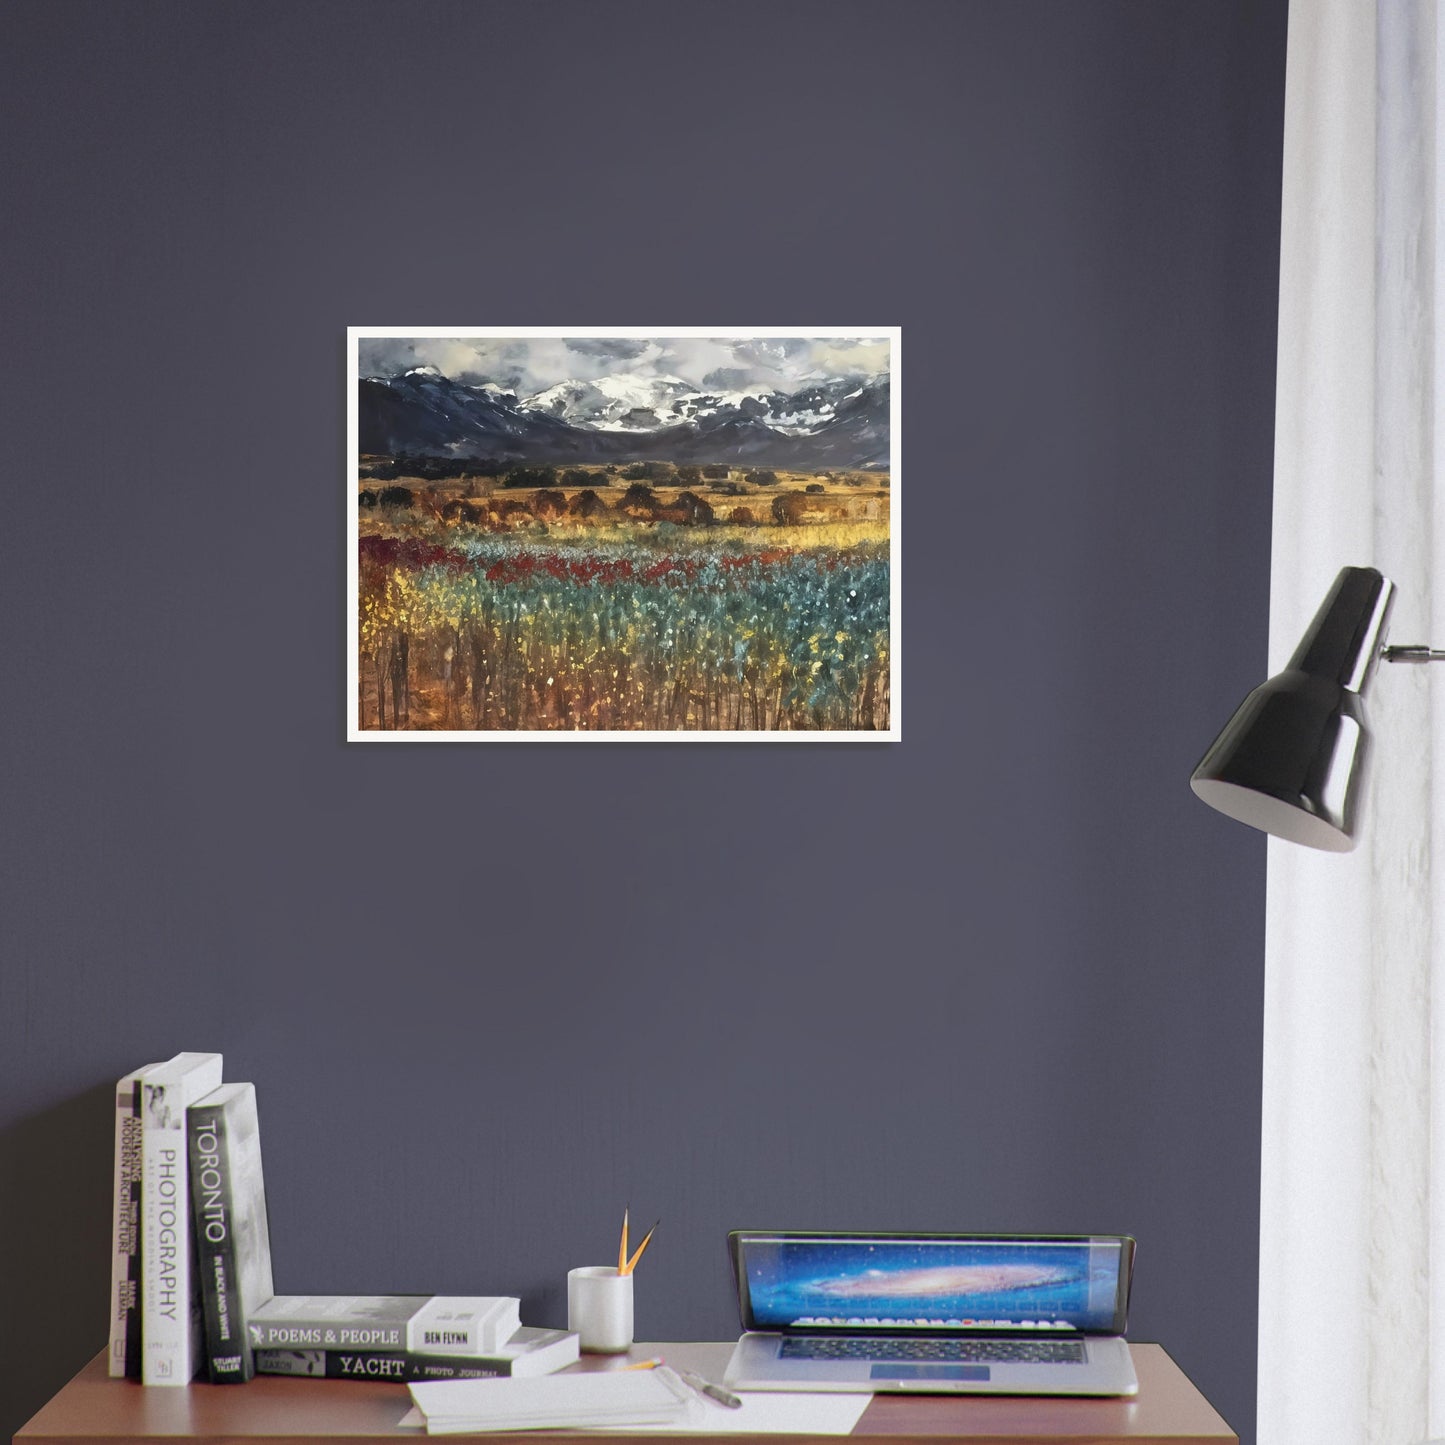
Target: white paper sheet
x,y
582,1401
765,1412
774,1412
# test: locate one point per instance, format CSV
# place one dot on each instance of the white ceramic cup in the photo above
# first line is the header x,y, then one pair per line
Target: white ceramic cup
x,y
599,1308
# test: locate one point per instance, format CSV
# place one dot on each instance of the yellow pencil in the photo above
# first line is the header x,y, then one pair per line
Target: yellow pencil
x,y
622,1248
637,1254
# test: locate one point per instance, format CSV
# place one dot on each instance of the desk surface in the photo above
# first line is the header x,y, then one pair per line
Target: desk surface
x,y
95,1410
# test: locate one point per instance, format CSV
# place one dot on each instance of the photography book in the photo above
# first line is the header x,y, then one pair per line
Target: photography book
x,y
421,1324
529,1353
170,1307
123,1354
228,1209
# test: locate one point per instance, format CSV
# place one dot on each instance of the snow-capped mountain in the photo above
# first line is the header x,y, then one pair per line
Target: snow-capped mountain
x,y
634,403
837,422
613,403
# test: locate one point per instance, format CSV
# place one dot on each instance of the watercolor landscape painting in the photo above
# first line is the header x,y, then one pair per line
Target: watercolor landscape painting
x,y
569,534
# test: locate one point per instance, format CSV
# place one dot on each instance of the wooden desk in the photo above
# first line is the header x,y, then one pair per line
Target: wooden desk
x,y
95,1410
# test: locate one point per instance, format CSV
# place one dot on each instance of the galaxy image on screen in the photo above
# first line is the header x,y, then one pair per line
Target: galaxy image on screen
x,y
917,1284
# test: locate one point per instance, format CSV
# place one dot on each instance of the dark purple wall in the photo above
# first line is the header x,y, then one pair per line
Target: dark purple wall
x,y
1004,975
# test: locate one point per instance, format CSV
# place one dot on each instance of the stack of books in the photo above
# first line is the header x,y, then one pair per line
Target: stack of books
x,y
191,1282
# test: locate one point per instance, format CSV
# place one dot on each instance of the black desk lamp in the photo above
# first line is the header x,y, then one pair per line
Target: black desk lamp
x,y
1291,759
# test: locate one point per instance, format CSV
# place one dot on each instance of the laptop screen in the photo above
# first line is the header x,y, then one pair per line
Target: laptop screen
x,y
905,1283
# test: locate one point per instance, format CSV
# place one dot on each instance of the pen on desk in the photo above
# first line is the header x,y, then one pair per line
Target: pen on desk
x,y
713,1392
637,1253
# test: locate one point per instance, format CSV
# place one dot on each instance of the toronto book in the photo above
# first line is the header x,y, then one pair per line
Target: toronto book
x,y
228,1211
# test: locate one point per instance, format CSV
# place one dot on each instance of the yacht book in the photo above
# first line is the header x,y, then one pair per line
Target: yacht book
x,y
529,1353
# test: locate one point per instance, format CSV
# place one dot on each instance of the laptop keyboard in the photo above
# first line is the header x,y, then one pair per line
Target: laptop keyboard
x,y
998,1352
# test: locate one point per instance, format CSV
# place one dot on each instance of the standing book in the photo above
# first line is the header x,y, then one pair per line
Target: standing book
x,y
228,1209
170,1310
123,1354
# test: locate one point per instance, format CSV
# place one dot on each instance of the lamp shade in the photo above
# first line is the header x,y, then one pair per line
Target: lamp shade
x,y
1291,760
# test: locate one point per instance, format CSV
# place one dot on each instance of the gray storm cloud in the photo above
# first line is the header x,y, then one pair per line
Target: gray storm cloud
x,y
528,364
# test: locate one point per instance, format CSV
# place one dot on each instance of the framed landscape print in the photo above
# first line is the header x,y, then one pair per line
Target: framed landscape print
x,y
624,534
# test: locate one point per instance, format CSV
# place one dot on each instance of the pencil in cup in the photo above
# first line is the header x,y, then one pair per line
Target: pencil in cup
x,y
627,1263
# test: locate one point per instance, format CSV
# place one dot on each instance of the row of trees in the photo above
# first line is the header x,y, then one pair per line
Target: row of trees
x,y
657,474
639,503
683,474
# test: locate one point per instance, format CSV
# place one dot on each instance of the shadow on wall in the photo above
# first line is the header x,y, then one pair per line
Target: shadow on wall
x,y
55,1188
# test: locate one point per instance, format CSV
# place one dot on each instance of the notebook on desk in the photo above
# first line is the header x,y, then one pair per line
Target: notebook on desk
x,y
952,1314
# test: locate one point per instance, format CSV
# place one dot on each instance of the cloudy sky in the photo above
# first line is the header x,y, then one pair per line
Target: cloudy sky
x,y
528,364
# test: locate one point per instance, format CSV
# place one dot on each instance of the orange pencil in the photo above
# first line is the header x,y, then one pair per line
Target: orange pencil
x,y
637,1254
622,1248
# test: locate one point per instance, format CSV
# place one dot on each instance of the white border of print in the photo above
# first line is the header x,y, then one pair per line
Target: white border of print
x,y
894,733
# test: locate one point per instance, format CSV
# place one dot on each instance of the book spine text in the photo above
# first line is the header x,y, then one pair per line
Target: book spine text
x,y
401,1365
228,1350
170,1308
165,1259
124,1355
304,1334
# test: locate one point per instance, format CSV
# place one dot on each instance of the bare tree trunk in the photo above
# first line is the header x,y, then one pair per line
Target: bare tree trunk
x,y
870,687
400,711
479,675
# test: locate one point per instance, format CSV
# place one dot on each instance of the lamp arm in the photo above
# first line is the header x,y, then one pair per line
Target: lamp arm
x,y
1415,652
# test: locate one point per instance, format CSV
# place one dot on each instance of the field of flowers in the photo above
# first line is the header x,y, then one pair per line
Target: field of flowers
x,y
619,632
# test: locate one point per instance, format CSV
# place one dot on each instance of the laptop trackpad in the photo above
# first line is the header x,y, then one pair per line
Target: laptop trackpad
x,y
901,1371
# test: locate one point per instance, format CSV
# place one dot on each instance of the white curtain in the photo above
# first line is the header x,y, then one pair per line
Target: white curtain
x,y
1352,1247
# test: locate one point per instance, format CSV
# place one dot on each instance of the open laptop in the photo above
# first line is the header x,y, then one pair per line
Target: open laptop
x,y
936,1313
